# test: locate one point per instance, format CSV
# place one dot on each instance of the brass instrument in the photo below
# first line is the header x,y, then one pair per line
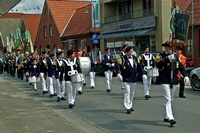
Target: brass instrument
x,y
21,65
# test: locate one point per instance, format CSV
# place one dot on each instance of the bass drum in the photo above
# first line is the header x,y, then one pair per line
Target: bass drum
x,y
85,64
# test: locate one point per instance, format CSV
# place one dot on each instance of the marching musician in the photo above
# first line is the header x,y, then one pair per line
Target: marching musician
x,y
34,73
52,73
122,54
79,85
108,63
95,59
71,66
43,70
147,62
20,64
165,62
130,67
180,76
11,64
26,65
61,83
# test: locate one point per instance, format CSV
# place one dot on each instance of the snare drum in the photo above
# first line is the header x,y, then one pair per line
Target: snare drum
x,y
85,64
77,78
153,72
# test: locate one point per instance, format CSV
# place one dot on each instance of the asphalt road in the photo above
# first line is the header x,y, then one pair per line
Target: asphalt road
x,y
98,111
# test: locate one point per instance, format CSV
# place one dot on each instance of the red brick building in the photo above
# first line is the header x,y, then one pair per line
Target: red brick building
x,y
78,32
56,14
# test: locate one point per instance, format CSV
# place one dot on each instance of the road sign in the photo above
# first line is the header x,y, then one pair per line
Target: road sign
x,y
95,39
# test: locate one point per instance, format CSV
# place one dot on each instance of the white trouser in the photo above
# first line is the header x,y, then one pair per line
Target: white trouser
x,y
79,86
92,77
44,88
71,91
108,75
147,84
62,89
129,91
35,86
168,97
51,85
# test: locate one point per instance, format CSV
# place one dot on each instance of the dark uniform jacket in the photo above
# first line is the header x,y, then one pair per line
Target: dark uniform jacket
x,y
105,60
34,70
68,68
128,72
43,68
164,66
52,68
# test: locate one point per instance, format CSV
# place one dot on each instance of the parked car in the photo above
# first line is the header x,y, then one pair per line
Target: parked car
x,y
195,79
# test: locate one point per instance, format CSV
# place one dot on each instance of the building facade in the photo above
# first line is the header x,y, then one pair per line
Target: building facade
x,y
136,23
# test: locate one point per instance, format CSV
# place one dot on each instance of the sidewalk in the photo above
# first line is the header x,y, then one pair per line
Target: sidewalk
x,y
23,110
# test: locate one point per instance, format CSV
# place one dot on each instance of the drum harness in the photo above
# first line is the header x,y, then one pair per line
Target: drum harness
x,y
72,72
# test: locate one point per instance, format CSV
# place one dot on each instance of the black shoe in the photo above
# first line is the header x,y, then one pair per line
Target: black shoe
x,y
84,84
51,95
128,111
182,96
92,87
108,90
35,89
132,109
166,120
71,106
172,122
147,97
58,99
62,98
45,92
79,92
54,94
123,88
30,84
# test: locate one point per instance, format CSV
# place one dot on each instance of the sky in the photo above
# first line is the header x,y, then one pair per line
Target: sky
x,y
29,7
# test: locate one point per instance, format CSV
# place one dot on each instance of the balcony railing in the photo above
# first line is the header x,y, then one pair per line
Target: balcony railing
x,y
131,15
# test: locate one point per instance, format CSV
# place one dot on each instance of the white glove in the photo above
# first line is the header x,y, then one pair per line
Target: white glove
x,y
95,62
119,76
186,79
171,57
144,77
108,64
113,64
59,74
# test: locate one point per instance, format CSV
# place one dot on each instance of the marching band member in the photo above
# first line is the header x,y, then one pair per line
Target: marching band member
x,y
26,65
129,77
34,73
165,60
79,85
71,66
94,62
43,71
61,84
108,66
52,75
122,54
147,62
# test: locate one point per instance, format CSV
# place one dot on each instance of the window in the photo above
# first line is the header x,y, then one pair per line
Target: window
x,y
123,8
50,30
45,31
189,43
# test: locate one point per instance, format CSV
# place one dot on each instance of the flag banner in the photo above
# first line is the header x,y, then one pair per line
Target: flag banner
x,y
96,13
182,22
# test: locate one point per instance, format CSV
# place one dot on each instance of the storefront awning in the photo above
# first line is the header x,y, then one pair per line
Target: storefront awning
x,y
127,33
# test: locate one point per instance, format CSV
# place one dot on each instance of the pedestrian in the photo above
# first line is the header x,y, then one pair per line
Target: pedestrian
x,y
180,76
147,62
72,67
129,71
43,68
52,75
61,84
95,60
108,63
34,73
166,60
